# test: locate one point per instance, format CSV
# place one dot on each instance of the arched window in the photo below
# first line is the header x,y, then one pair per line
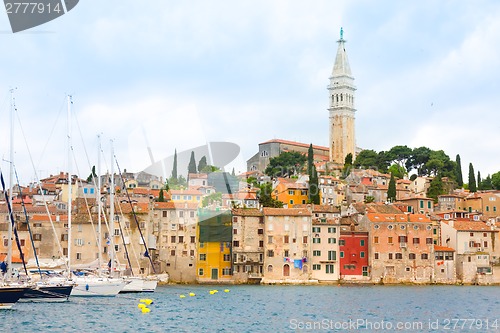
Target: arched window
x,y
337,97
270,268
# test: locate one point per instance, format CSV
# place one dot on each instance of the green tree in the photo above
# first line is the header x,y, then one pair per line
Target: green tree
x,y
285,164
174,167
210,168
265,196
202,164
472,179
347,165
397,170
479,181
314,196
435,188
92,175
400,155
161,197
367,159
495,180
391,191
192,164
310,159
459,177
369,199
253,181
419,157
487,183
214,198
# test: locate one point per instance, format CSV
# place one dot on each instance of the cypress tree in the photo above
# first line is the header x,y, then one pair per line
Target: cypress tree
x,y
435,188
391,191
202,164
479,181
192,164
174,168
161,197
310,160
233,173
314,196
460,180
472,179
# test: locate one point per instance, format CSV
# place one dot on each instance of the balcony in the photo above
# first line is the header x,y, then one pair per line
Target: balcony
x,y
403,245
254,275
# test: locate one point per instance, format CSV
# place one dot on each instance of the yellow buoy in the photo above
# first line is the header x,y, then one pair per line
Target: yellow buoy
x,y
216,291
145,310
192,294
226,290
212,292
182,296
140,305
146,300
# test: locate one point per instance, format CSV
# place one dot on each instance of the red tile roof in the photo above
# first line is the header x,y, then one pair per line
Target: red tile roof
x,y
286,212
443,248
294,143
470,226
247,212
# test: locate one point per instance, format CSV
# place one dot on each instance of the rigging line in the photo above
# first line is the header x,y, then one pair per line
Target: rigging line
x,y
146,254
14,228
28,224
49,215
51,131
125,246
129,236
84,196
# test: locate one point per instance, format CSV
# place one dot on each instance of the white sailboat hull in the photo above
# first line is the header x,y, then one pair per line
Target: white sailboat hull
x,y
90,286
139,285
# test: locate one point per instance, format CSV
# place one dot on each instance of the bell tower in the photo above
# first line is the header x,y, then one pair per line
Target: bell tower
x,y
341,92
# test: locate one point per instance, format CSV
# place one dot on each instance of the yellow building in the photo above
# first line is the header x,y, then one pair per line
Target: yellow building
x,y
290,192
214,231
188,195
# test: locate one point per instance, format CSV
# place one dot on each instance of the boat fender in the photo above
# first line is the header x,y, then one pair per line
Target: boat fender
x,y
86,287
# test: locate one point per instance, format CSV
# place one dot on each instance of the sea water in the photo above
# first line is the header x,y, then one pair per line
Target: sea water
x,y
270,309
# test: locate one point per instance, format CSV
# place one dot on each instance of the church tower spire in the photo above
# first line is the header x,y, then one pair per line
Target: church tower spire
x,y
341,92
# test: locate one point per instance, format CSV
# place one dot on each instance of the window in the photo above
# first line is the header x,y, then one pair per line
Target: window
x,y
304,240
235,244
269,239
193,239
485,244
316,267
341,242
117,248
38,237
341,254
191,253
365,270
261,243
389,240
235,231
329,268
332,255
316,229
332,230
429,204
78,242
270,226
181,213
181,239
316,240
291,192
390,256
376,255
362,242
203,257
202,245
226,271
172,239
200,272
227,257
270,253
399,256
64,237
332,240
78,256
471,234
286,253
291,202
375,240
164,213
65,251
362,254
316,253
286,239
416,240
485,234
424,256
403,239
260,231
412,256
428,240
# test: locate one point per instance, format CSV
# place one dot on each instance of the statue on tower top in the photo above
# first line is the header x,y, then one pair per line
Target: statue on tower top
x,y
341,33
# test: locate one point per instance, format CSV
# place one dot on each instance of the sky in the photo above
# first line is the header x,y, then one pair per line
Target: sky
x,y
177,74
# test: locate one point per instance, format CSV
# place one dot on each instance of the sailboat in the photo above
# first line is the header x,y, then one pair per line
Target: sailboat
x,y
87,283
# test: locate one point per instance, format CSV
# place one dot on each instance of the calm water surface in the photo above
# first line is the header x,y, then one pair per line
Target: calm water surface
x,y
270,309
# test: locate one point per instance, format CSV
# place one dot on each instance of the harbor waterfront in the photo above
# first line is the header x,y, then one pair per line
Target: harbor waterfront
x,y
247,308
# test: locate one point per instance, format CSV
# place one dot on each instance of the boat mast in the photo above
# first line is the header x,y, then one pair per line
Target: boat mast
x,y
99,207
11,177
112,209
70,102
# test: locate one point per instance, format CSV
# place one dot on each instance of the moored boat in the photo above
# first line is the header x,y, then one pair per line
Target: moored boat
x,y
10,295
